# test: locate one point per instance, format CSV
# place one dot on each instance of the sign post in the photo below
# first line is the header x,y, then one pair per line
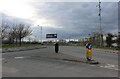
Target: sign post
x,y
56,45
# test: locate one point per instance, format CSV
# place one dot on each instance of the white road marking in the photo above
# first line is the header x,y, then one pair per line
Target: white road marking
x,y
110,66
101,66
92,65
18,57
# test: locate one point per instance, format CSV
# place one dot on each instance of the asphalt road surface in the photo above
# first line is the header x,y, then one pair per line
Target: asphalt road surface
x,y
46,63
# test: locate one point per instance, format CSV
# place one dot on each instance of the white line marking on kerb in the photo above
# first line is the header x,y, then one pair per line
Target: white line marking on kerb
x,y
18,57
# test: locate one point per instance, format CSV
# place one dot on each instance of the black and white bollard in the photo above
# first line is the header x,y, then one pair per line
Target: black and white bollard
x,y
56,48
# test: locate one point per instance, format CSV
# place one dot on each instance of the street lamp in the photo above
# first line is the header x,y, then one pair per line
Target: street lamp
x,y
41,33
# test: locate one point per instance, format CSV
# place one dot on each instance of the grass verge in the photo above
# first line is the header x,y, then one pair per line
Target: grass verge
x,y
17,46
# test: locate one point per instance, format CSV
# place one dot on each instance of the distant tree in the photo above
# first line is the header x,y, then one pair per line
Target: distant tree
x,y
118,40
15,32
4,27
21,31
109,39
95,38
11,31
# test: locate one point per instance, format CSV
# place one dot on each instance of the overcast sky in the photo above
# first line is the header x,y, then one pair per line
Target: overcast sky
x,y
67,19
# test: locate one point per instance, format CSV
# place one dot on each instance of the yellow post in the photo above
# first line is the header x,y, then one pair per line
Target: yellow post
x,y
88,54
89,51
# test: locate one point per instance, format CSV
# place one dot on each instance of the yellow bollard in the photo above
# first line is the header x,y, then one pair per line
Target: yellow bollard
x,y
88,51
88,54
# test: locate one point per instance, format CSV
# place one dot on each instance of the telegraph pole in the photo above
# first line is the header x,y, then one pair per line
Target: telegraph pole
x,y
100,23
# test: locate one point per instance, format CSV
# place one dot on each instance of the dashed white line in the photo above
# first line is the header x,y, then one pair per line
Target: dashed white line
x,y
92,65
18,57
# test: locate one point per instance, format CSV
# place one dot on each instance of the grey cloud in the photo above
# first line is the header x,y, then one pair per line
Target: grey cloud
x,y
78,19
12,19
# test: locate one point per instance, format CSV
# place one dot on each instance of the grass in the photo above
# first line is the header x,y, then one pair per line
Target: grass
x,y
32,45
17,46
104,47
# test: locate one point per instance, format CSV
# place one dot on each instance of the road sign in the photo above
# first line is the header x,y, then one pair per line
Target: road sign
x,y
51,35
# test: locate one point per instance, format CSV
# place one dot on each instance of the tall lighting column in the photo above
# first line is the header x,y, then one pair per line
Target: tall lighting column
x,y
101,35
41,34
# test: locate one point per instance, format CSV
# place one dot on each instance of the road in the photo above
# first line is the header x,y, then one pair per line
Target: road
x,y
45,63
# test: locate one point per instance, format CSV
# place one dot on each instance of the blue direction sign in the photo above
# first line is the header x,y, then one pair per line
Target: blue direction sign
x,y
51,35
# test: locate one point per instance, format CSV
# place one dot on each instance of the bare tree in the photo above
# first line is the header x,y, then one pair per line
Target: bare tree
x,y
109,40
13,34
118,40
95,38
4,27
14,31
21,30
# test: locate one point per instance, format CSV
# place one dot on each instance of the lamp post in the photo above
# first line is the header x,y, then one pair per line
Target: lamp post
x,y
41,33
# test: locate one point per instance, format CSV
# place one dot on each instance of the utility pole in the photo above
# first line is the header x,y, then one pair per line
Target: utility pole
x,y
41,33
101,37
